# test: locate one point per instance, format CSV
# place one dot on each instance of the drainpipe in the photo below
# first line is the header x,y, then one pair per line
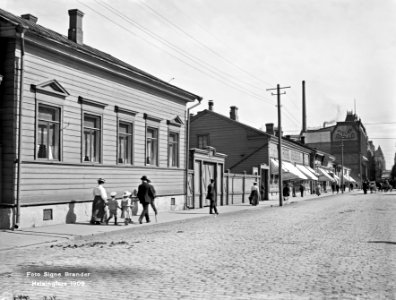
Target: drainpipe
x,y
187,148
21,32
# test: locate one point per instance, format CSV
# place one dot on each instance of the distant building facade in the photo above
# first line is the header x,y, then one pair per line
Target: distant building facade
x,y
254,151
347,141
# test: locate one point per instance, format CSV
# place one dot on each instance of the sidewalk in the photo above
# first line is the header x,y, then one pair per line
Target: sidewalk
x,y
63,232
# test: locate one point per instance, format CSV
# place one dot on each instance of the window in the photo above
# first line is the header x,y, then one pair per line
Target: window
x,y
92,138
173,149
152,146
48,133
125,138
203,141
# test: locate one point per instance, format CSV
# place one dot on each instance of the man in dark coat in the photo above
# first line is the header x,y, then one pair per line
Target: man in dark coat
x,y
211,195
145,195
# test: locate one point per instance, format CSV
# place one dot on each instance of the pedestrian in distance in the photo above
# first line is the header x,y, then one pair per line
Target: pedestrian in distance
x,y
337,188
145,195
302,189
254,197
211,196
99,202
333,187
286,192
126,205
317,190
365,186
113,207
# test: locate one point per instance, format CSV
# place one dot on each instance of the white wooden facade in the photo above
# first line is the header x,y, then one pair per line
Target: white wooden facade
x,y
84,115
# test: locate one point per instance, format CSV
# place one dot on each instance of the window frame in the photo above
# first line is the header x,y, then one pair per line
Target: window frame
x,y
206,135
177,149
99,117
131,143
156,139
59,110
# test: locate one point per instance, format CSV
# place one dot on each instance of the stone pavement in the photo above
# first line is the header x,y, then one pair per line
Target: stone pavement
x,y
339,247
25,237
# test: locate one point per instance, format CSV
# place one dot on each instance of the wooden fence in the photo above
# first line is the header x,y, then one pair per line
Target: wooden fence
x,y
233,189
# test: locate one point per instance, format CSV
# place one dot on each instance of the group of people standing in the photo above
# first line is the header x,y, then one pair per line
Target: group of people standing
x,y
104,209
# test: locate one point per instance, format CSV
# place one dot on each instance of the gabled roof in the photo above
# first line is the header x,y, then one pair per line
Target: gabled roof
x,y
48,34
257,132
227,119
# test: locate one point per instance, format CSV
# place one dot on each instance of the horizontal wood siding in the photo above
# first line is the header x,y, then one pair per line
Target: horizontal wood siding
x,y
227,137
42,183
255,160
69,179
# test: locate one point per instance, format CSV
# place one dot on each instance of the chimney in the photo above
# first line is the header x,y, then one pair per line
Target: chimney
x,y
234,113
29,18
75,32
210,102
304,109
302,139
269,128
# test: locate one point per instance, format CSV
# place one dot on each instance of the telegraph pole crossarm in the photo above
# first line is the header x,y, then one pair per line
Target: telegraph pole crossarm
x,y
278,94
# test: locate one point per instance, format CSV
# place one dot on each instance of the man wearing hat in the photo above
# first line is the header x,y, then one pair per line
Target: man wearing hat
x,y
145,195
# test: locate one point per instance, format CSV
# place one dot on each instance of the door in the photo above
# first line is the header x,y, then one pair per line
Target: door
x,y
264,184
208,173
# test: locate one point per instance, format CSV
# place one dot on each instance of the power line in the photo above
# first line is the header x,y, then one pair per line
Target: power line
x,y
235,86
203,45
207,68
213,71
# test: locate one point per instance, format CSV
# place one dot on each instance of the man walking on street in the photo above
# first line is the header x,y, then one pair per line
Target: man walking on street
x,y
211,195
145,195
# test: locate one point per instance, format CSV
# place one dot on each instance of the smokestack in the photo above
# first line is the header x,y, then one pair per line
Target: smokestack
x,y
210,103
269,128
304,113
234,113
75,32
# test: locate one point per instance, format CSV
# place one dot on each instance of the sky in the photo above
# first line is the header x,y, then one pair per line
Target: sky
x,y
233,51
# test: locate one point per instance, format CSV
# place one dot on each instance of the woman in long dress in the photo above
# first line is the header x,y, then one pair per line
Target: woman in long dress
x,y
99,202
254,194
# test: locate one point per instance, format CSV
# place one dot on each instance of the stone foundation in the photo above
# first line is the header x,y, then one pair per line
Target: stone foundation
x,y
74,212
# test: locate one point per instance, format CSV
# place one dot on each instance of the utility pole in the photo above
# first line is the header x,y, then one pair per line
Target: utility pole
x,y
280,184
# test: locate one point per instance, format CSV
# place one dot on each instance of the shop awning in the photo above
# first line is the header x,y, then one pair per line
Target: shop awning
x,y
338,179
289,171
307,172
348,178
294,171
313,171
325,176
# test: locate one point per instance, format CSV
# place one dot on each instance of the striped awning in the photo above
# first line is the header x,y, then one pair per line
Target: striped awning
x,y
307,172
289,171
325,176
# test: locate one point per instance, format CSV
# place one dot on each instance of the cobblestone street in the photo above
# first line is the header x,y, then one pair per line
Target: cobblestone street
x,y
338,247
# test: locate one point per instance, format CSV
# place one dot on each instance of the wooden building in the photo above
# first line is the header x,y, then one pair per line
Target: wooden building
x,y
252,150
71,114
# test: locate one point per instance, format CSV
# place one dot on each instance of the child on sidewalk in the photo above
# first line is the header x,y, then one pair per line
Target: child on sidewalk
x,y
112,205
126,208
